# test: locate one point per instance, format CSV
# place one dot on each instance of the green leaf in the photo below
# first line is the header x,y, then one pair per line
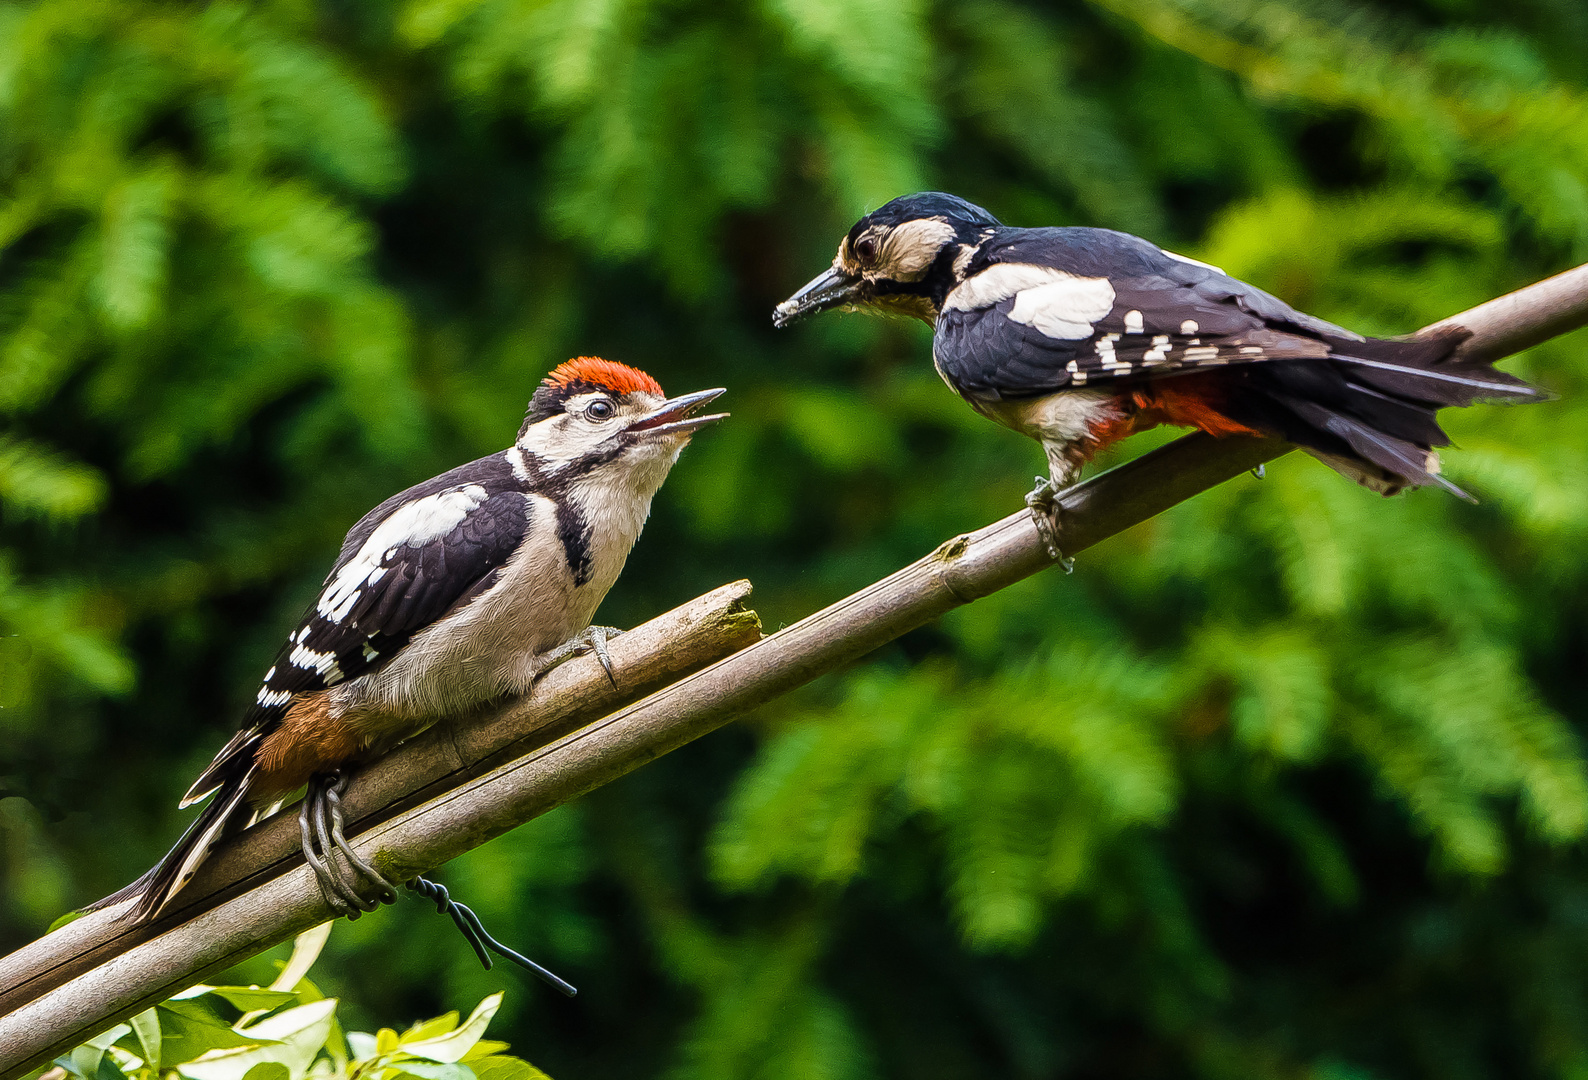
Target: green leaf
x,y
86,1060
305,951
432,1070
267,1070
451,1047
189,1030
292,1038
65,920
431,1029
252,998
482,1049
504,1067
146,1025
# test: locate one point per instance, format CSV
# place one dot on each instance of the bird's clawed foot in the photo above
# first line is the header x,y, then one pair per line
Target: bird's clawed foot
x,y
592,639
320,821
1044,503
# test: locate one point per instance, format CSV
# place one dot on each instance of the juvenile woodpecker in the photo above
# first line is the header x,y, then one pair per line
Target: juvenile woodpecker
x,y
1079,337
460,590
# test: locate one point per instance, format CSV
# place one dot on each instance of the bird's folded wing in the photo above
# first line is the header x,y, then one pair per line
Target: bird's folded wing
x,y
425,557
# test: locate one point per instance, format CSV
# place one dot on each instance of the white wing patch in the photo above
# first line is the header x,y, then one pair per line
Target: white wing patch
x,y
998,282
412,524
1058,304
1065,309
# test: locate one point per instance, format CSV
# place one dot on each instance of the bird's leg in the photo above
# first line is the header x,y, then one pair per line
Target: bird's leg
x,y
315,843
320,821
592,639
333,802
1044,503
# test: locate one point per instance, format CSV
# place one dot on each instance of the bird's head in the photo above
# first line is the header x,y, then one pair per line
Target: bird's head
x,y
900,259
592,414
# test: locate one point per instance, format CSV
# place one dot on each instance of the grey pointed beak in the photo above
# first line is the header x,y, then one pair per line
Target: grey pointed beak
x,y
832,289
673,414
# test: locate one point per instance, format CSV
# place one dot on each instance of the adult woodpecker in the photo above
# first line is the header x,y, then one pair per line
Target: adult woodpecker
x,y
460,590
1079,337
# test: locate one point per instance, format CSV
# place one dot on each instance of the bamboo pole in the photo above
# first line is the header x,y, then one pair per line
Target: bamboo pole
x,y
248,907
456,748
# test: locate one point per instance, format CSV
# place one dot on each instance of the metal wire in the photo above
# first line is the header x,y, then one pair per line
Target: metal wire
x,y
469,926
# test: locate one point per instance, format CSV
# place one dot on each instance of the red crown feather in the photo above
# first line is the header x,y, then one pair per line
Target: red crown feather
x,y
605,374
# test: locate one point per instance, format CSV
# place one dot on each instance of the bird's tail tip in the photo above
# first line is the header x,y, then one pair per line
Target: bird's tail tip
x,y
155,889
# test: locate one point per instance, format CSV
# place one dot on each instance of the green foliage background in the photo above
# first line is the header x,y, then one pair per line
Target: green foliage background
x,y
1286,783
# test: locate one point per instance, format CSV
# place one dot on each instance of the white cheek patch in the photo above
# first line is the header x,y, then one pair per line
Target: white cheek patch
x,y
1066,309
909,250
563,438
414,524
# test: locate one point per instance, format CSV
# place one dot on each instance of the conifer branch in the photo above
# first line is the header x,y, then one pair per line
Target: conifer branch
x,y
471,779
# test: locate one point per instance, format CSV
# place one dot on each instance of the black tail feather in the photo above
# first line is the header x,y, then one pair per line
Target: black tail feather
x,y
227,813
1369,410
1429,371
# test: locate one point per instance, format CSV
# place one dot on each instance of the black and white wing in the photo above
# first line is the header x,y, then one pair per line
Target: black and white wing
x,y
1045,309
406,564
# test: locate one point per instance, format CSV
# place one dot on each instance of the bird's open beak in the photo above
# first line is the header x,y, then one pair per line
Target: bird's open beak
x,y
673,415
832,289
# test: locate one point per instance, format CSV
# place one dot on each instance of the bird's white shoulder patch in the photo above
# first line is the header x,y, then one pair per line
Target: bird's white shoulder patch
x,y
413,525
998,282
1056,303
1064,309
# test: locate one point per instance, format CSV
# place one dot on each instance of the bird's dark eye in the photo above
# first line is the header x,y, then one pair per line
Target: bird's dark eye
x,y
866,249
600,409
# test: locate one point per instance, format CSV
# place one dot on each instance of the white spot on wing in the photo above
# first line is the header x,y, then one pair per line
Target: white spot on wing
x,y
322,662
271,698
1133,323
1189,327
